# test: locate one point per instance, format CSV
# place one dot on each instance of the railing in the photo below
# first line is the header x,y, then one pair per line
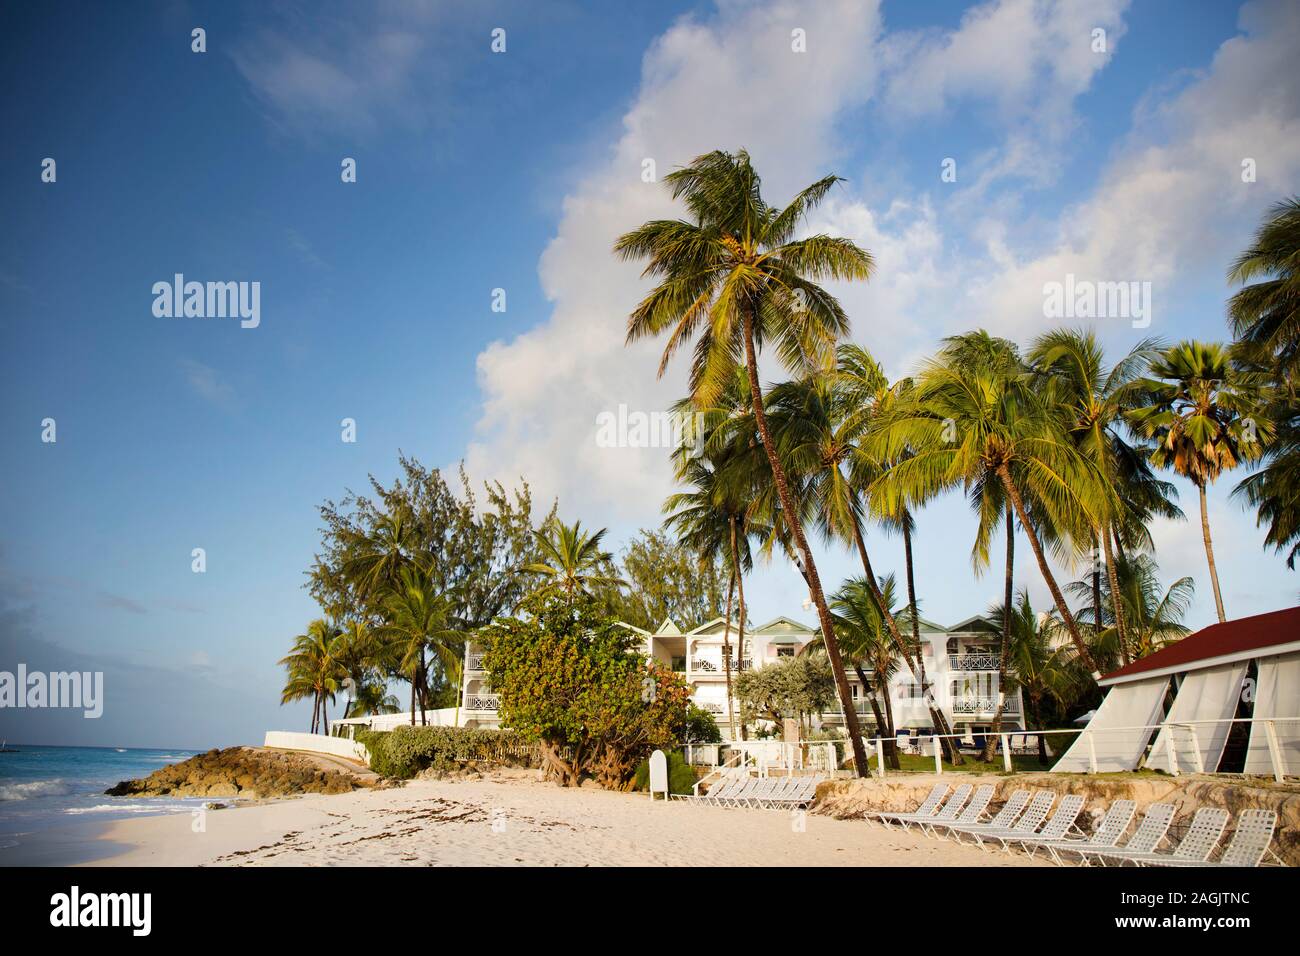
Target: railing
x,y
488,702
712,665
973,662
712,708
984,705
474,663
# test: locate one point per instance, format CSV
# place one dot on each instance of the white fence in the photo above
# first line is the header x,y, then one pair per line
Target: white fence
x,y
317,743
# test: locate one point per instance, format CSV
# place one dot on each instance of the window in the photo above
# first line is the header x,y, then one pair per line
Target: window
x,y
952,645
785,652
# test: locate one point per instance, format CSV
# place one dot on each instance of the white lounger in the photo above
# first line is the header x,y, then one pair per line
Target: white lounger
x,y
1014,806
972,815
1107,834
1247,847
1062,822
1029,821
927,807
1152,829
948,811
1195,847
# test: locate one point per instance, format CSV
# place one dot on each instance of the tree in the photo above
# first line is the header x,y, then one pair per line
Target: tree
x,y
667,580
1265,315
314,671
798,687
1205,416
1042,664
737,278
867,642
972,424
569,677
418,623
1154,613
571,560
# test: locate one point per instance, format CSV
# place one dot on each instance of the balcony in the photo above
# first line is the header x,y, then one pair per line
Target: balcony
x,y
475,662
714,665
983,706
973,662
489,703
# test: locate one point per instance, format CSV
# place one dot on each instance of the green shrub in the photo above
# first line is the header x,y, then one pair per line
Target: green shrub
x,y
405,751
701,728
681,775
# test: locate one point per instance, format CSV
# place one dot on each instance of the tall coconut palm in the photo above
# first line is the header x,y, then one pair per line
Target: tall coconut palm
x,y
1205,416
735,279
972,425
314,671
866,641
818,422
1092,400
571,560
1274,490
417,622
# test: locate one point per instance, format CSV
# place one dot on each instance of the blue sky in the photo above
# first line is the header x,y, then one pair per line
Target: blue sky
x,y
517,170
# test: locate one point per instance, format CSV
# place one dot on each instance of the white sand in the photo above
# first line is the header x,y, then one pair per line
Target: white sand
x,y
512,820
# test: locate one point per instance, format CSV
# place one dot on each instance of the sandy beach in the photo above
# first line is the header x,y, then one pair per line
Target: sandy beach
x,y
511,819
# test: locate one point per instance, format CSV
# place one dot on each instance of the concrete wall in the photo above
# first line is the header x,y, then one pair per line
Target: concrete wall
x,y
317,743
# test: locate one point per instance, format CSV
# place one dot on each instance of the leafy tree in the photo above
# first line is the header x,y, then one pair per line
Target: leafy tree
x,y
1042,663
1205,416
570,678
736,277
417,621
666,579
1154,614
868,644
1265,315
798,687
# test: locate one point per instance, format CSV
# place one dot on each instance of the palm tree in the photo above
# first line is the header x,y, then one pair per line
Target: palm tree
x,y
1042,664
313,670
973,424
1205,417
1154,614
737,278
867,642
1274,490
1092,400
417,622
818,422
379,557
711,521
1265,316
572,560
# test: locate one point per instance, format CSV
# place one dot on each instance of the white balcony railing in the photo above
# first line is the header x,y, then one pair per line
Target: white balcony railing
x,y
973,662
484,702
714,665
984,706
475,662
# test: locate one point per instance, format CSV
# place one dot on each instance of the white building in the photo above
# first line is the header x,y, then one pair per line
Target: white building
x,y
961,665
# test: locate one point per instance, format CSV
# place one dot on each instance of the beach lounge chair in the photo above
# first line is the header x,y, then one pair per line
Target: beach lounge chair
x,y
1107,834
948,811
972,815
1247,847
715,793
1006,816
1062,822
1035,813
1195,847
799,792
1152,829
927,807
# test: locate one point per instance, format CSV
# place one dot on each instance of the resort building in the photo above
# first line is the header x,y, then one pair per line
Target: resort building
x,y
961,666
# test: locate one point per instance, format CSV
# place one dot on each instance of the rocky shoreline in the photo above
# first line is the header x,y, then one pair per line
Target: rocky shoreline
x,y
247,772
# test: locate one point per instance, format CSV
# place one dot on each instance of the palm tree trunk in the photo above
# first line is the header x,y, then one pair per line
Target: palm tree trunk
x,y
1004,645
911,597
884,722
810,566
1116,599
1209,554
740,592
1036,710
1096,584
726,657
1036,546
918,672
413,679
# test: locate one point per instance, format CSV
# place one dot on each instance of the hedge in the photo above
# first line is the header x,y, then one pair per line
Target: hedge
x,y
405,751
681,775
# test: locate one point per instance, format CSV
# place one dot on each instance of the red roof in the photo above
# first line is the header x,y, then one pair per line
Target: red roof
x,y
1220,640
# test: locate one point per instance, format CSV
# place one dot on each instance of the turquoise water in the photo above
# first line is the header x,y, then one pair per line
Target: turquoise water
x,y
45,790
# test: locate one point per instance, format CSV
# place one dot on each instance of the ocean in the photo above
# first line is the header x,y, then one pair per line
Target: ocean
x,y
47,793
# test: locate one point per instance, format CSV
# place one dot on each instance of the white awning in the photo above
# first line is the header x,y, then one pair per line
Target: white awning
x,y
1110,735
1277,694
1210,694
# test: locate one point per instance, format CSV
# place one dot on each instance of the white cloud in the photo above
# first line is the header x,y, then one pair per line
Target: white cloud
x,y
207,383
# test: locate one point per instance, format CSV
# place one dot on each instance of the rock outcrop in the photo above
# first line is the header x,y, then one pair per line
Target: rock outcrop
x,y
240,772
851,798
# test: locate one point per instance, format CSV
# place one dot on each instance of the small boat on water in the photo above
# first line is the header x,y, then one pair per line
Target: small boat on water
x,y
6,750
